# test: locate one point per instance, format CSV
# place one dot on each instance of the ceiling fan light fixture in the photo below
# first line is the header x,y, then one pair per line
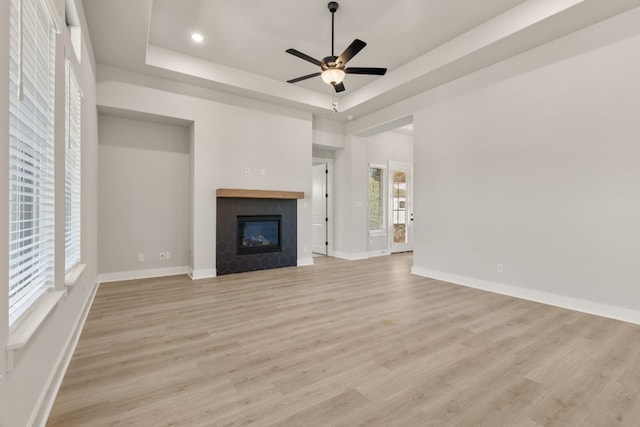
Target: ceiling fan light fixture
x,y
332,67
333,76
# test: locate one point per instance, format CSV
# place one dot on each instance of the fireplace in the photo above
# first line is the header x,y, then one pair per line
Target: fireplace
x,y
258,234
256,230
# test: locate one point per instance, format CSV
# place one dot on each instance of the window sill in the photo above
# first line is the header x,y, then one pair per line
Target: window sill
x,y
378,233
72,276
19,337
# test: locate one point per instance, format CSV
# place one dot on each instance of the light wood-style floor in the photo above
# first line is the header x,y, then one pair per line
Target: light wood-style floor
x,y
344,343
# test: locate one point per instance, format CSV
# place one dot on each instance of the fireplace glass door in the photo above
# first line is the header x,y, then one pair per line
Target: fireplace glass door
x,y
258,234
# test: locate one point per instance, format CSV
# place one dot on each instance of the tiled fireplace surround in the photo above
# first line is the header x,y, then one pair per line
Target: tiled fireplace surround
x,y
233,203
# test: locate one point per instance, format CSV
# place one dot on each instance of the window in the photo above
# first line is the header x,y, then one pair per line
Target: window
x,y
72,169
376,198
31,154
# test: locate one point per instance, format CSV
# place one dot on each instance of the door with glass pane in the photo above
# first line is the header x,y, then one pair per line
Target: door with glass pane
x,y
400,207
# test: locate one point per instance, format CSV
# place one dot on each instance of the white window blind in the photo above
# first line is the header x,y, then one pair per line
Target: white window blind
x,y
31,153
72,168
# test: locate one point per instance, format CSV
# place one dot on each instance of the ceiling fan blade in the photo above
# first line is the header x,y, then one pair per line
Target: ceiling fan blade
x,y
305,57
339,87
308,76
356,46
366,70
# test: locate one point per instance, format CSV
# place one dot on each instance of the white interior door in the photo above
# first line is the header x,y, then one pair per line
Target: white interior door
x,y
400,207
319,209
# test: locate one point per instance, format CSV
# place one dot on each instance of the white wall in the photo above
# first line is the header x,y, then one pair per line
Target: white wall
x,y
351,194
275,147
328,135
391,145
536,168
323,154
144,203
27,392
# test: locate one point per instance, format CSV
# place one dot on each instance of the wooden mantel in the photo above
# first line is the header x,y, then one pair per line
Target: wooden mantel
x,y
258,194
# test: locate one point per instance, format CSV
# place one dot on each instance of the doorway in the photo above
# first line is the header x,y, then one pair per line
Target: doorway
x,y
390,145
320,209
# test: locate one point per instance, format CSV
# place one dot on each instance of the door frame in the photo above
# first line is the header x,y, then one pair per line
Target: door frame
x,y
330,199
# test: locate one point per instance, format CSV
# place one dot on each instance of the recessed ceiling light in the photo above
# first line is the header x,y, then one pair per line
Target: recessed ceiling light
x,y
197,37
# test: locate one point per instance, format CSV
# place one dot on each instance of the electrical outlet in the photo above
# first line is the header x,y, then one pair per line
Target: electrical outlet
x,y
247,170
499,268
140,257
161,255
167,255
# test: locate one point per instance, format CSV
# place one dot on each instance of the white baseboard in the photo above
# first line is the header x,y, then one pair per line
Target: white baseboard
x,y
384,252
302,262
351,256
49,393
143,274
207,273
571,303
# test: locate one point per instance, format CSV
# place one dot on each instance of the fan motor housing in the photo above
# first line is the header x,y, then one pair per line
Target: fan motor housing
x,y
330,62
333,6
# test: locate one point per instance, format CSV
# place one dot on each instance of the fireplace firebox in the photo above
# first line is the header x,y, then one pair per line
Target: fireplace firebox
x,y
255,234
258,234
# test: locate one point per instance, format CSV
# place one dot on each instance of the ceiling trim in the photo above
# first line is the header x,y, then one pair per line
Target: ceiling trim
x,y
499,28
530,24
186,64
491,32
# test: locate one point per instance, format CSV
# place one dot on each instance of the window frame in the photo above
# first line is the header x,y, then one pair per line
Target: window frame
x,y
73,168
32,80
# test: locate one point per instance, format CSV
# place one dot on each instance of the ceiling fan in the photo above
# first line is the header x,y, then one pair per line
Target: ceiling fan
x,y
333,67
